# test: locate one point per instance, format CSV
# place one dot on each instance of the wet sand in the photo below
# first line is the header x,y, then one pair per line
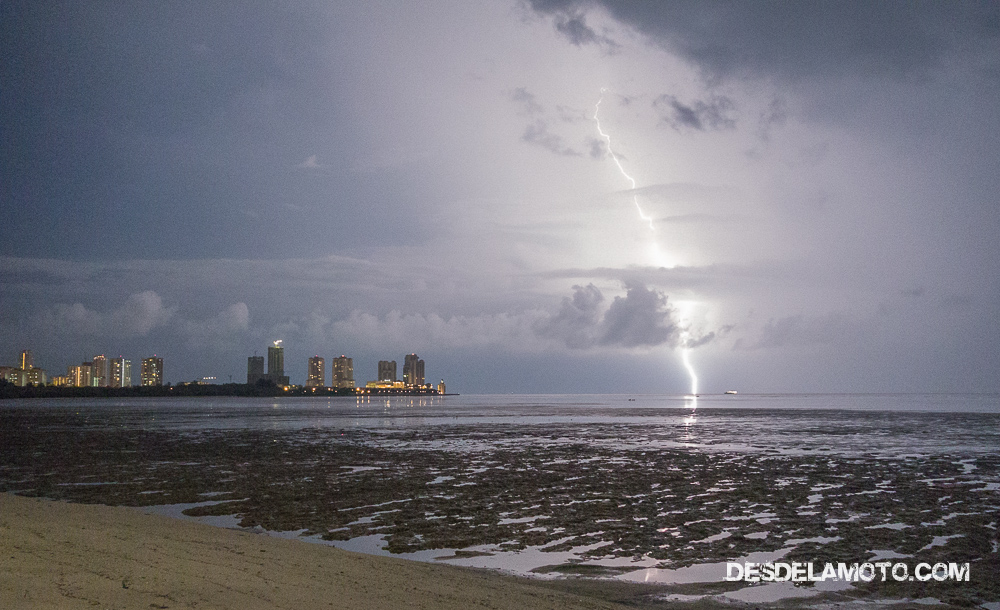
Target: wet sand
x,y
59,555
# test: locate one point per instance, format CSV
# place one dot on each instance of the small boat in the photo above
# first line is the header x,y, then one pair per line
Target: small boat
x,y
730,391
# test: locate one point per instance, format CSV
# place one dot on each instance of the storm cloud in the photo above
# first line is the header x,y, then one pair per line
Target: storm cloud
x,y
805,193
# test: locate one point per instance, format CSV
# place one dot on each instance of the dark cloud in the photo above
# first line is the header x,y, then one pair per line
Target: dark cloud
x,y
577,319
642,318
526,100
804,330
571,22
798,39
639,319
598,149
701,114
538,134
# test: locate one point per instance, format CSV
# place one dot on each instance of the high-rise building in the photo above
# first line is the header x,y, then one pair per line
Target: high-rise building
x,y
81,376
441,388
13,374
316,373
120,373
27,361
99,371
276,360
255,369
343,372
413,370
387,370
36,376
151,371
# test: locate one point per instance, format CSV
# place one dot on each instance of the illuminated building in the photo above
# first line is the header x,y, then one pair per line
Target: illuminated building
x,y
12,374
387,370
413,370
120,373
27,360
385,385
316,373
441,387
81,376
343,372
35,376
275,366
99,371
276,360
151,371
255,369
61,381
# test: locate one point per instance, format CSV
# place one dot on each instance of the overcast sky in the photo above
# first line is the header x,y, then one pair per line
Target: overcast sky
x,y
547,196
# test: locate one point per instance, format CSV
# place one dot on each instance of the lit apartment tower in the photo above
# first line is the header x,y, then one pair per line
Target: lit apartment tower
x,y
36,376
80,376
27,361
151,371
316,373
343,372
120,373
255,369
276,360
99,371
413,370
387,370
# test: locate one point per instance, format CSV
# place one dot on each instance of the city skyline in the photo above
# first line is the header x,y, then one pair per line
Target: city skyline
x,y
538,196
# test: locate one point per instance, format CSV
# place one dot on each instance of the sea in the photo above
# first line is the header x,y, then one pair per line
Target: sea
x,y
661,489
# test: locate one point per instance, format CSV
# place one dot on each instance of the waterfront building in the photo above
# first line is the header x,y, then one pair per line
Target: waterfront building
x,y
27,360
61,381
275,360
316,373
255,369
35,376
441,387
120,373
343,372
387,371
151,371
413,370
99,371
12,374
275,366
81,376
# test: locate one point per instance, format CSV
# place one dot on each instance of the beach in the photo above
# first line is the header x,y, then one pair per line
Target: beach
x,y
636,500
63,555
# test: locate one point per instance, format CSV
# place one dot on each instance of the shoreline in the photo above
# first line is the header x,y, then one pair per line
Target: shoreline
x,y
58,554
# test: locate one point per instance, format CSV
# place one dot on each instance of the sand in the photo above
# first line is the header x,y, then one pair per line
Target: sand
x,y
61,555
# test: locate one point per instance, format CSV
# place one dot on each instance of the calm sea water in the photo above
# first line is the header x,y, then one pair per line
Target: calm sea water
x,y
786,422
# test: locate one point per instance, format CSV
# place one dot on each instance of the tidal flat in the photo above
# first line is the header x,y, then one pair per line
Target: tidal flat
x,y
614,491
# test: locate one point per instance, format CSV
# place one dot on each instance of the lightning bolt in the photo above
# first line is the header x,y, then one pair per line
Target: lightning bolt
x,y
614,157
686,335
686,358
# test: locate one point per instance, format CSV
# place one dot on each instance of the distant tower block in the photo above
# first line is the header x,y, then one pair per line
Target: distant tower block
x,y
99,371
27,361
413,370
387,370
343,372
316,375
121,372
441,389
255,369
151,371
276,360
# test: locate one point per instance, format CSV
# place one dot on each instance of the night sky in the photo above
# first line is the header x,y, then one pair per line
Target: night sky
x,y
815,203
